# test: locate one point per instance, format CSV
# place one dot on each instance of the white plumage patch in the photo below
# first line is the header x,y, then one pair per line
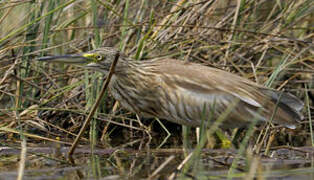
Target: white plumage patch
x,y
248,100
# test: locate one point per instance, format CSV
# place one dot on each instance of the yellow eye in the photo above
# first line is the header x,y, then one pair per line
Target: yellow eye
x,y
99,57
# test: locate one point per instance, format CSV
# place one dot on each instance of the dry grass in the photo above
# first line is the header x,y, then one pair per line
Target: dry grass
x,y
269,42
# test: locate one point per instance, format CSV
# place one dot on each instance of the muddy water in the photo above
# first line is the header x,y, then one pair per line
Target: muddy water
x,y
124,163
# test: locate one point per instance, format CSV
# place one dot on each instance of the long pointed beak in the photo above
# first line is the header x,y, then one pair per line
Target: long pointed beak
x,y
71,59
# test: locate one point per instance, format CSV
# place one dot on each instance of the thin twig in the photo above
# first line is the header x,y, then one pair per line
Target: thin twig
x,y
93,110
154,174
22,160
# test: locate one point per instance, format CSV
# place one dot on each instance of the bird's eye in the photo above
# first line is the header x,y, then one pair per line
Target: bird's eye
x,y
99,57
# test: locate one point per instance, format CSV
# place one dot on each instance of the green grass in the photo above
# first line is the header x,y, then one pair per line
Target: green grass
x,y
269,42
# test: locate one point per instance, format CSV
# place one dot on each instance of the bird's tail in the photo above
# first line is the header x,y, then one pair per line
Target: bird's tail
x,y
287,102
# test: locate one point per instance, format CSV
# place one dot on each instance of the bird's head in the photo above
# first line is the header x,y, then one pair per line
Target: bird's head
x,y
99,59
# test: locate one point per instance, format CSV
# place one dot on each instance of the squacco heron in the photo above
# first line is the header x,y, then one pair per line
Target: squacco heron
x,y
183,92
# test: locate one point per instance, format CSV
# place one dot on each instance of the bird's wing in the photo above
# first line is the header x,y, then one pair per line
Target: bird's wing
x,y
211,81
190,87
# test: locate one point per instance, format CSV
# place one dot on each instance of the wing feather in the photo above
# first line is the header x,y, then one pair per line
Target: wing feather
x,y
199,85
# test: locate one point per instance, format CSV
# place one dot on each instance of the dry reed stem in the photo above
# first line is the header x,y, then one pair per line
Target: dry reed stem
x,y
93,110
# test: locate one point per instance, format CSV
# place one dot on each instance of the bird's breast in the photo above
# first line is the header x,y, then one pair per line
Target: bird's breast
x,y
136,95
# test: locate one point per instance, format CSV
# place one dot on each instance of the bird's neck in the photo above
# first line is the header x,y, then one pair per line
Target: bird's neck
x,y
129,67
